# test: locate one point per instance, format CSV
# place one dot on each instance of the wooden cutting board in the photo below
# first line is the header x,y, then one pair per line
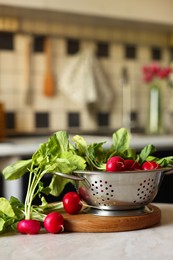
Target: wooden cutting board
x,y
87,222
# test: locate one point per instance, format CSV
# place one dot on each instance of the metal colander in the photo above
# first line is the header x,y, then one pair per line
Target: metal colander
x,y
112,191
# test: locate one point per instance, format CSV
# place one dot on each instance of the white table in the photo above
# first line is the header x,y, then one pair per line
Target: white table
x,y
154,243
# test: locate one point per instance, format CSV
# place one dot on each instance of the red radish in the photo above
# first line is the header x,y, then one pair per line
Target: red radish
x,y
28,226
54,223
115,163
72,202
132,165
151,165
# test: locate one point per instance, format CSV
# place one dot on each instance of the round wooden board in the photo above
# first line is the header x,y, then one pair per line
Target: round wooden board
x,y
87,222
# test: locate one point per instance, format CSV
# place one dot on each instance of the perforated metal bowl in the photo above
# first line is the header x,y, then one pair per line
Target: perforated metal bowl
x,y
118,190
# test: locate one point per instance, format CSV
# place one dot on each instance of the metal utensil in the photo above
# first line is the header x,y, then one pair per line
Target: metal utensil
x,y
112,191
27,67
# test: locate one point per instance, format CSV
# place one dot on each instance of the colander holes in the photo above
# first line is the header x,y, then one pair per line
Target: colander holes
x,y
92,184
138,189
106,188
100,180
112,195
102,190
101,185
110,185
95,181
140,184
144,186
144,180
106,182
107,194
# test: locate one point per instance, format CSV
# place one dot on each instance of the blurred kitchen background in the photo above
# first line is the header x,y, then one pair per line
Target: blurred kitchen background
x,y
52,37
76,65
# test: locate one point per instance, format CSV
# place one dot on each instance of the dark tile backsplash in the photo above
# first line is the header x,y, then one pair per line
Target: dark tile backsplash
x,y
73,119
6,41
38,44
130,51
118,49
103,119
10,118
42,120
156,53
171,54
73,46
102,49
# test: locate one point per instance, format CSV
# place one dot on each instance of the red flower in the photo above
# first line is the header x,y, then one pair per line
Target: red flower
x,y
164,73
148,77
154,68
154,71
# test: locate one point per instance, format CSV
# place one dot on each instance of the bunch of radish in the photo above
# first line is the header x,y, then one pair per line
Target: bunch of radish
x,y
54,221
117,163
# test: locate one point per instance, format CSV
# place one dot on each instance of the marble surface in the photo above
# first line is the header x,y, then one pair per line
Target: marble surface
x,y
154,243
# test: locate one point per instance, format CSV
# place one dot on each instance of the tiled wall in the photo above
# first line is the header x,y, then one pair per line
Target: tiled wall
x,y
60,111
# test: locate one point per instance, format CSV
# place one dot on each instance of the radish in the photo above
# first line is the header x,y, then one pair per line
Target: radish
x,y
28,226
132,165
115,163
72,202
54,223
151,165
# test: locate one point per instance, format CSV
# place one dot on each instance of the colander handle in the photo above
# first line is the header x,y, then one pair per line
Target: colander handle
x,y
71,177
168,171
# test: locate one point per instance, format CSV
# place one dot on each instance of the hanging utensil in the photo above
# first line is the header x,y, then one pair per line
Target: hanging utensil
x,y
126,98
27,73
49,82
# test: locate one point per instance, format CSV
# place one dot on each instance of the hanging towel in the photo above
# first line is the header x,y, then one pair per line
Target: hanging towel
x,y
84,81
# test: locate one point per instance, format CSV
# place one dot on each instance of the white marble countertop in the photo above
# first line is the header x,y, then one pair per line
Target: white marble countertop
x,y
154,243
27,146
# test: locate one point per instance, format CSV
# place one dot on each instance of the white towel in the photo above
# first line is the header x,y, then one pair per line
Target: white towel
x,y
84,81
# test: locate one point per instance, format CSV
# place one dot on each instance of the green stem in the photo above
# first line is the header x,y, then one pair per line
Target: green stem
x,y
36,179
27,194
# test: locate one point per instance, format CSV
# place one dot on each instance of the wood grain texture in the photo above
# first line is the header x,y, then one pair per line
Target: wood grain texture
x,y
85,222
49,81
